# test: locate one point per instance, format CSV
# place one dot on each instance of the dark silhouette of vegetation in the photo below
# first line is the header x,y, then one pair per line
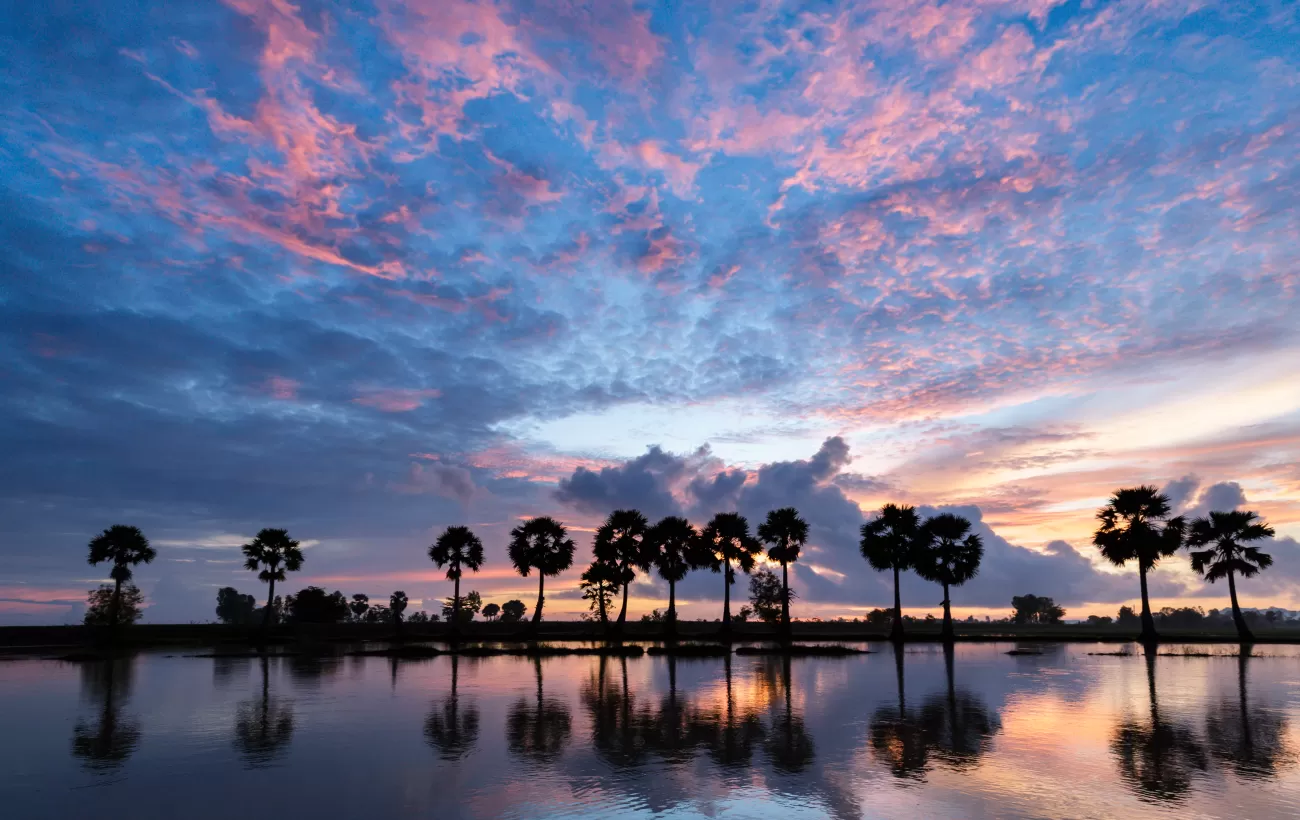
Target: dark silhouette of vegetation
x,y
490,612
767,596
359,606
450,729
728,733
1157,758
1252,740
1135,526
464,608
1035,609
674,547
274,553
105,745
538,731
541,544
599,582
314,605
948,554
457,549
113,605
263,726
123,547
619,726
725,545
396,606
890,542
234,608
621,543
1226,537
513,611
420,617
785,533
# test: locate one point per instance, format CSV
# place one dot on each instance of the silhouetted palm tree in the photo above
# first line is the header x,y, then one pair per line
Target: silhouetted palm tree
x,y
621,541
726,542
539,733
123,547
263,727
274,553
673,543
457,549
785,533
106,745
449,730
949,554
542,544
396,606
1135,525
1229,555
1252,740
890,541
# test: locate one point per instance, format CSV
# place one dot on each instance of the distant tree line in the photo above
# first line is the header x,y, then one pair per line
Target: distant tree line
x,y
1134,526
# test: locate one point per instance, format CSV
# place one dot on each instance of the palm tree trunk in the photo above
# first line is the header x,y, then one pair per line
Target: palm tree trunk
x,y
455,608
785,598
726,595
948,636
898,671
1148,623
896,631
622,613
541,588
670,623
266,613
116,606
1243,631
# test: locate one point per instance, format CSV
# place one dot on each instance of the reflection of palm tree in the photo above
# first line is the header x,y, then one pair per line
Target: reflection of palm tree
x,y
263,726
618,727
896,736
788,744
958,727
538,732
107,744
730,737
1251,740
1159,758
449,730
671,729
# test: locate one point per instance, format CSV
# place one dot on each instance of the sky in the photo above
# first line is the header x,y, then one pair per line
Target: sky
x,y
365,271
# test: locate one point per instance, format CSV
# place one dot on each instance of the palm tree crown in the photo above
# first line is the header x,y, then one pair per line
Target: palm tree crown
x,y
621,541
725,542
672,547
274,552
1133,527
951,553
1225,534
889,540
542,544
123,546
456,549
785,532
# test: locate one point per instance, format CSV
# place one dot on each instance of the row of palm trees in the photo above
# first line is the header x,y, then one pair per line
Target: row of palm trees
x,y
1135,525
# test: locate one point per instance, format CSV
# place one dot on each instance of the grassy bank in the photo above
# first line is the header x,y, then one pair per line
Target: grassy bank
x,y
54,639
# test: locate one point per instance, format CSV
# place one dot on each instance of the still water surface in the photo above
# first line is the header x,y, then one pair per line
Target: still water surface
x,y
977,734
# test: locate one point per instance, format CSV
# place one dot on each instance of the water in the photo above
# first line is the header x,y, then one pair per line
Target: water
x,y
1061,734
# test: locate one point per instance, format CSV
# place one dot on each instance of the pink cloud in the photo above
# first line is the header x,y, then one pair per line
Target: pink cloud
x,y
395,400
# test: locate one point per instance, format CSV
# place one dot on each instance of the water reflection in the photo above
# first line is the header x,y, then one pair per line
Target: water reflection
x,y
1250,739
620,726
955,727
729,732
1158,757
789,746
538,731
452,727
263,725
105,744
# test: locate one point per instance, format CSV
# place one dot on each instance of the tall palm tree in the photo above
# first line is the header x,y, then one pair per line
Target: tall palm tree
x,y
124,547
890,541
457,549
274,553
785,533
1135,525
1226,534
950,555
621,541
542,544
726,542
673,543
